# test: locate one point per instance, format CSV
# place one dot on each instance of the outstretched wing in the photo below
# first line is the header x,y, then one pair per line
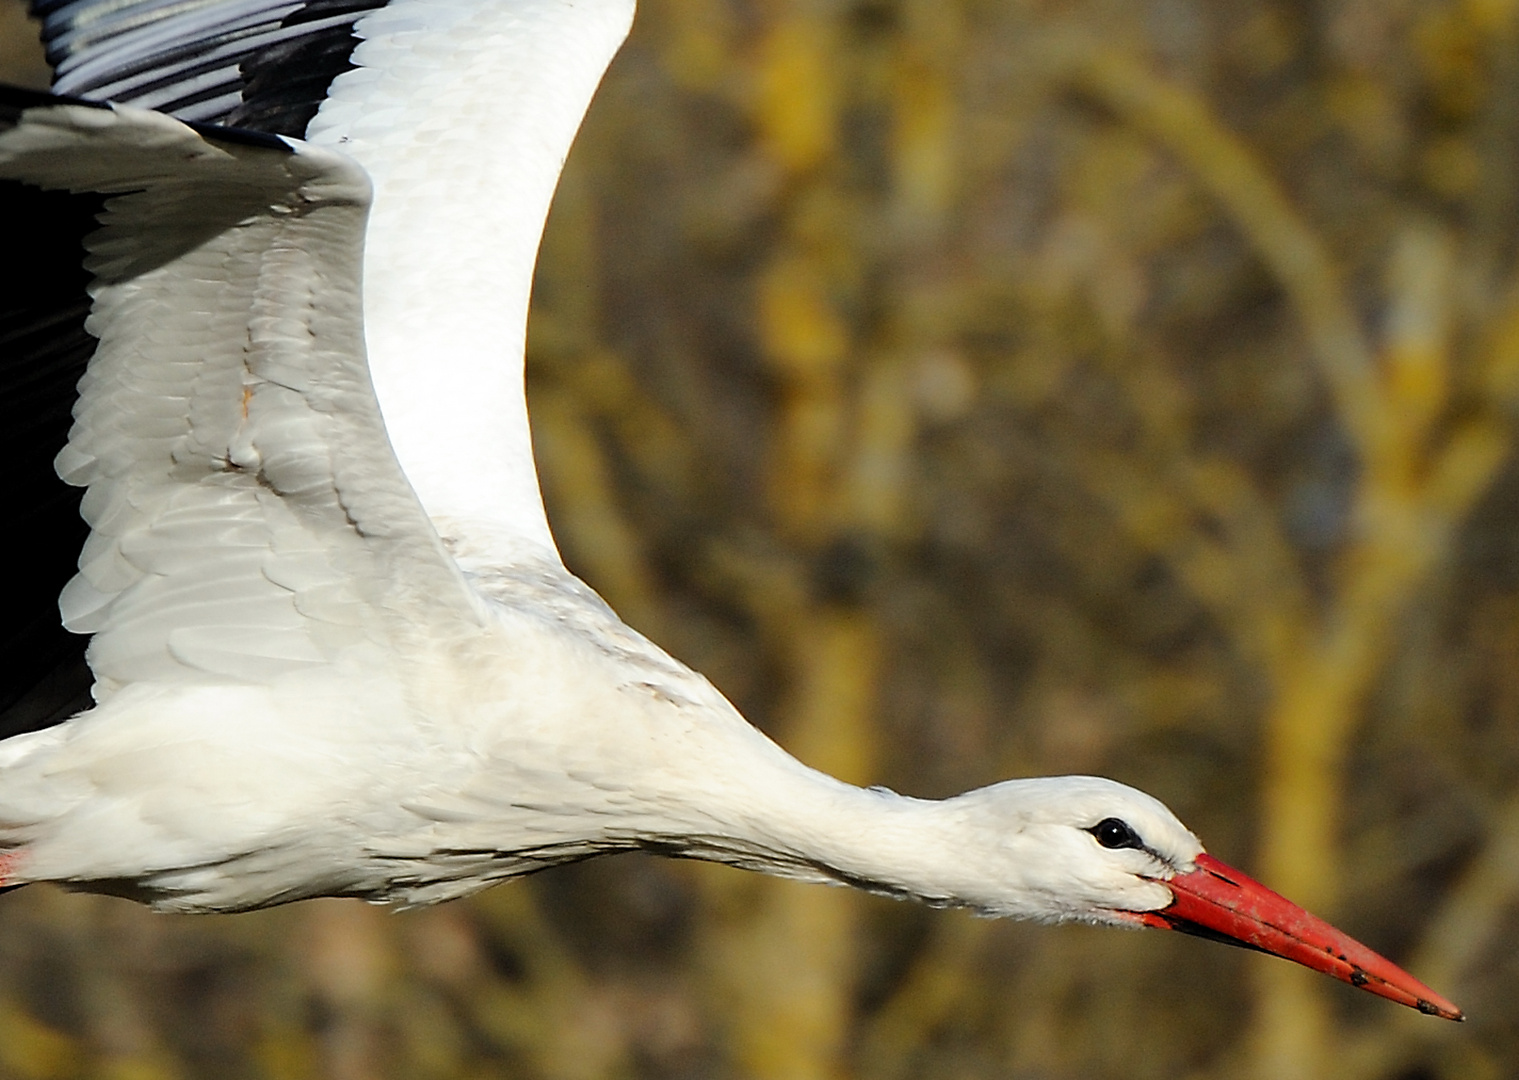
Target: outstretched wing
x,y
264,65
247,515
43,352
461,112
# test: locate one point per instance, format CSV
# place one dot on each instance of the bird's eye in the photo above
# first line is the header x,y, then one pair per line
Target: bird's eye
x,y
1113,833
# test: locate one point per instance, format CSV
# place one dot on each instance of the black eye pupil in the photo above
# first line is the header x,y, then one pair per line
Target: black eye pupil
x,y
1113,833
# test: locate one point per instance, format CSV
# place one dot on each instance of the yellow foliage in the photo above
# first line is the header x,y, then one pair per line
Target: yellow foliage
x,y
31,1050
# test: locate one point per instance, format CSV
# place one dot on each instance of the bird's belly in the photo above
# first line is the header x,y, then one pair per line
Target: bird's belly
x,y
217,798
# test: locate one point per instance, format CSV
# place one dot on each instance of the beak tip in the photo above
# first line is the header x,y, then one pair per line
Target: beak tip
x,y
1448,1011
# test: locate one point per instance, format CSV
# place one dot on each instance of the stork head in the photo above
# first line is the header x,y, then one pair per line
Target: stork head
x,y
1089,849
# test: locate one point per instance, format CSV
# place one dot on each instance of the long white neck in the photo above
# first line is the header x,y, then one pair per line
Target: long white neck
x,y
817,828
738,798
462,112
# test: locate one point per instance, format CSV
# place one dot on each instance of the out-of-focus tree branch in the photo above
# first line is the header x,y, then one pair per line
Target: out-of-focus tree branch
x,y
1232,173
1466,925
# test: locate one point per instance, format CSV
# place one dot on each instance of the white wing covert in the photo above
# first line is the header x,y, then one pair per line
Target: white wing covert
x,y
248,516
461,112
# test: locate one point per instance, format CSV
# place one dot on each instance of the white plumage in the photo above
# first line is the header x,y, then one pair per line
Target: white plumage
x,y
339,656
464,155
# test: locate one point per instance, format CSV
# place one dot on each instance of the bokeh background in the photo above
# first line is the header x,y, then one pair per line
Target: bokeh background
x,y
973,389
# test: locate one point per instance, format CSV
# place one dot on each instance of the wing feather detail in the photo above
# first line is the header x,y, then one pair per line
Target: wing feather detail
x,y
248,518
259,64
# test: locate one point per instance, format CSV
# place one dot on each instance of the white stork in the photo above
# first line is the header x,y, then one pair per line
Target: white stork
x,y
335,655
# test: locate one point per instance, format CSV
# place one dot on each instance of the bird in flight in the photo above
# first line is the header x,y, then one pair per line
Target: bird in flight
x,y
263,395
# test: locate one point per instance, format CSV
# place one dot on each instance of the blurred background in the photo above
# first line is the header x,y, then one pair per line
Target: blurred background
x,y
975,389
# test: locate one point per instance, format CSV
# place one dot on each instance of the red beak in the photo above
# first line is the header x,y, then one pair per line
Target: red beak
x,y
1219,902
